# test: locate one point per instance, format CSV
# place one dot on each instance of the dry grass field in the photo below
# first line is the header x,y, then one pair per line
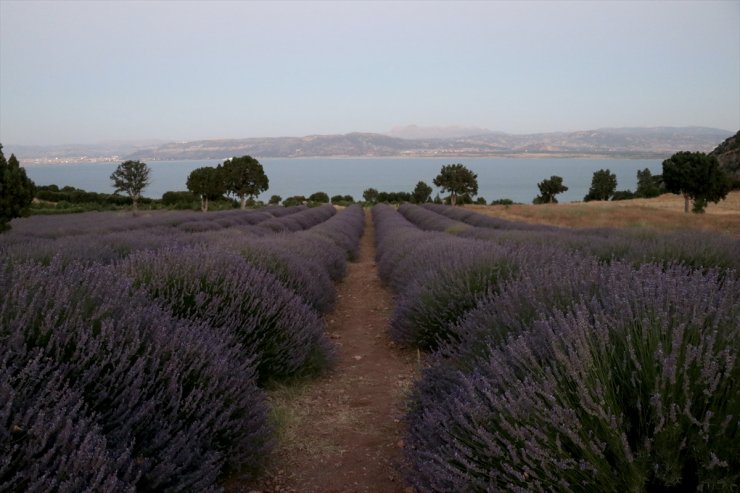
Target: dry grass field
x,y
663,213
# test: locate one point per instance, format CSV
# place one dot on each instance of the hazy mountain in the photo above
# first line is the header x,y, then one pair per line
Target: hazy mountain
x,y
449,132
112,150
649,143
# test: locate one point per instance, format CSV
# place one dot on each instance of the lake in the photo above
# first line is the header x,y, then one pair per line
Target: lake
x,y
513,178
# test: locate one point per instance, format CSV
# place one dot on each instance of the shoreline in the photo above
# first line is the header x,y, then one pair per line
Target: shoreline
x,y
523,156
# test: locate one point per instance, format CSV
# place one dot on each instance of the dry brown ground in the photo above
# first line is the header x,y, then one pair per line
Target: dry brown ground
x,y
664,213
342,432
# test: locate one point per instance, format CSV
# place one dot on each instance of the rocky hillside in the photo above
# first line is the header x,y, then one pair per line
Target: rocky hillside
x,y
728,155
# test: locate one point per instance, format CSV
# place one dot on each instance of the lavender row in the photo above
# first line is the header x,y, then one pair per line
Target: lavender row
x,y
56,226
307,262
226,293
113,243
483,221
558,371
154,351
691,248
436,277
609,378
103,390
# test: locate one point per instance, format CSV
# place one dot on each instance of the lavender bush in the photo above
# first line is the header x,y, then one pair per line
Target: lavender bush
x,y
297,271
395,239
344,229
143,398
308,262
431,221
303,219
226,292
48,441
635,389
438,298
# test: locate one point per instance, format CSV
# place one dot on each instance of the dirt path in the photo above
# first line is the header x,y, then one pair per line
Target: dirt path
x,y
341,433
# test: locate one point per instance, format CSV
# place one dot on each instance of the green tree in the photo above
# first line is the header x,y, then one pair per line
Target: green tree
x,y
370,195
244,177
549,189
603,185
342,199
648,186
131,177
319,197
422,193
458,180
502,202
275,199
207,183
16,190
697,177
294,200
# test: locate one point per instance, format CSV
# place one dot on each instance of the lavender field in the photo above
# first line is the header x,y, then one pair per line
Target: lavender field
x,y
136,350
596,360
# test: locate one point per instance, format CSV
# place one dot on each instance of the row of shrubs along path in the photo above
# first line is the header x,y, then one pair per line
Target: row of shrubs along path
x,y
342,432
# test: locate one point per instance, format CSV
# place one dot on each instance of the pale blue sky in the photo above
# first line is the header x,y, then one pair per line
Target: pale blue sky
x,y
83,72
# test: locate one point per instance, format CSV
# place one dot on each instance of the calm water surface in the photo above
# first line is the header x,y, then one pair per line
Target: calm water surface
x,y
513,178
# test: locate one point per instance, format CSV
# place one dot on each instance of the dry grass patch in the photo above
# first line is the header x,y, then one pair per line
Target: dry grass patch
x,y
663,213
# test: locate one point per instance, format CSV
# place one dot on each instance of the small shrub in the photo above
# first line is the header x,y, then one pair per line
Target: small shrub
x,y
502,202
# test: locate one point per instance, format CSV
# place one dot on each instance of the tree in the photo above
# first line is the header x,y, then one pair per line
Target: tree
x,y
244,177
549,189
697,177
275,199
319,197
458,180
370,195
178,199
131,177
603,186
648,186
294,200
16,190
422,193
342,199
207,183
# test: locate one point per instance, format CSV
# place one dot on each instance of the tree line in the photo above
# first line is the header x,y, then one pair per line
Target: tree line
x,y
696,176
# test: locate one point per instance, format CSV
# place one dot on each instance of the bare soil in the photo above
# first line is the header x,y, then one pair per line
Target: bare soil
x,y
342,432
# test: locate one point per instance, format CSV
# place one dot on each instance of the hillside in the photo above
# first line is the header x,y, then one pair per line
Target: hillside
x,y
647,143
619,143
728,155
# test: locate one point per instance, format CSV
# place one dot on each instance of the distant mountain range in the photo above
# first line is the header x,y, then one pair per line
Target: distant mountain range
x,y
448,132
647,143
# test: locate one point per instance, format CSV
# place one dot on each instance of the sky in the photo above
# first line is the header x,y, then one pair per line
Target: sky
x,y
93,71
